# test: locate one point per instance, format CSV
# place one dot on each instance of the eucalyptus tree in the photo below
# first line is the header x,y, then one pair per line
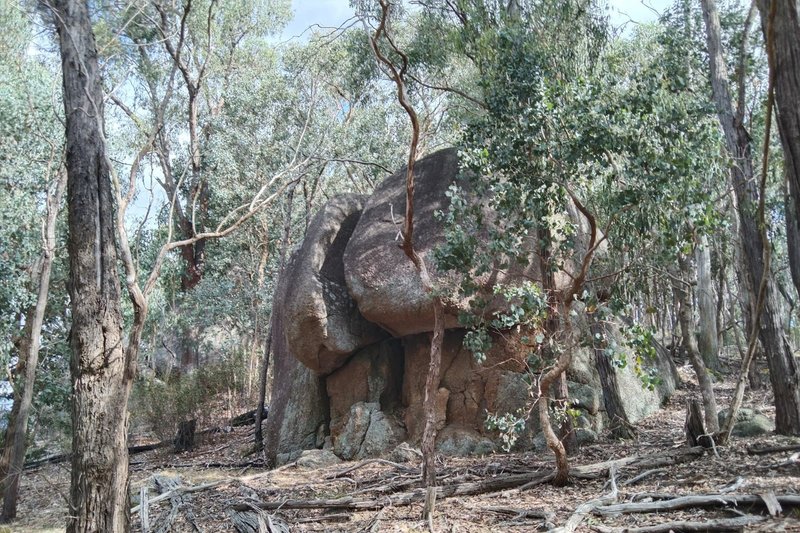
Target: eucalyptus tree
x,y
34,179
187,62
572,155
102,374
754,239
780,22
103,366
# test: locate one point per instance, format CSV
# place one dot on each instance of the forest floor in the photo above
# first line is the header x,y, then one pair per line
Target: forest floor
x,y
736,490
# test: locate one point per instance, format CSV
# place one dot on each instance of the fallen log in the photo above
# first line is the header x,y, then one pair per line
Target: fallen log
x,y
773,449
695,500
132,450
248,418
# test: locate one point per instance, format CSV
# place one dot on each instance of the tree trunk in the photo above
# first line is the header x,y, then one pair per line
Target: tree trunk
x,y
706,307
792,208
14,449
683,296
262,391
620,426
786,53
101,377
782,365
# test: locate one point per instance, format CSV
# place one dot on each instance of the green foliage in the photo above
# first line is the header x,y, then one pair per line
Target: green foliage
x,y
510,426
161,405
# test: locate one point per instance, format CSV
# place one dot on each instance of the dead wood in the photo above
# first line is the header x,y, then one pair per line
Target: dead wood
x,y
210,464
177,490
694,428
773,449
470,488
733,486
362,464
335,517
518,514
184,439
254,520
723,524
248,418
793,460
645,474
132,450
696,500
374,524
585,508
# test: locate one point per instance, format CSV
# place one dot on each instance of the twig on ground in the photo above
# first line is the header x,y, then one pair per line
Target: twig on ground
x,y
585,508
646,473
362,464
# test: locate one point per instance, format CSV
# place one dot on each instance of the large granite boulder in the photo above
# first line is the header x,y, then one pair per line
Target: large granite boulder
x,y
298,409
350,286
381,279
322,324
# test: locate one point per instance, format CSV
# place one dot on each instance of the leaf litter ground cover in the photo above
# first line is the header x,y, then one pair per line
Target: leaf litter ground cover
x,y
216,488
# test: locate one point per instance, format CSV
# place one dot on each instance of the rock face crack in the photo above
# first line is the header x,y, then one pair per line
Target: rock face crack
x,y
364,437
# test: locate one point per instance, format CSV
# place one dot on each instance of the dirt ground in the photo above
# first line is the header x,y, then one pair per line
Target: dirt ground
x,y
220,481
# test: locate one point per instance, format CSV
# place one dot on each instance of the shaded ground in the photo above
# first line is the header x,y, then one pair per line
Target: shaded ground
x,y
42,506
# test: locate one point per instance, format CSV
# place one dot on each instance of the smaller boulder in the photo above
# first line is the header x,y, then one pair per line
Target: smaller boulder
x,y
749,423
463,442
369,432
317,459
584,397
405,453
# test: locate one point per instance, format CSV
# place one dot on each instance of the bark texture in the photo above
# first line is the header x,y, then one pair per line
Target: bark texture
x,y
101,375
782,365
683,296
706,307
786,57
612,398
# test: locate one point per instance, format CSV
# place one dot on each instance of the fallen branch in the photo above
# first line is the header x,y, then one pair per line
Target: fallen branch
x,y
213,464
793,460
646,473
336,517
697,500
585,508
178,491
722,524
362,464
499,483
522,513
773,449
132,450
